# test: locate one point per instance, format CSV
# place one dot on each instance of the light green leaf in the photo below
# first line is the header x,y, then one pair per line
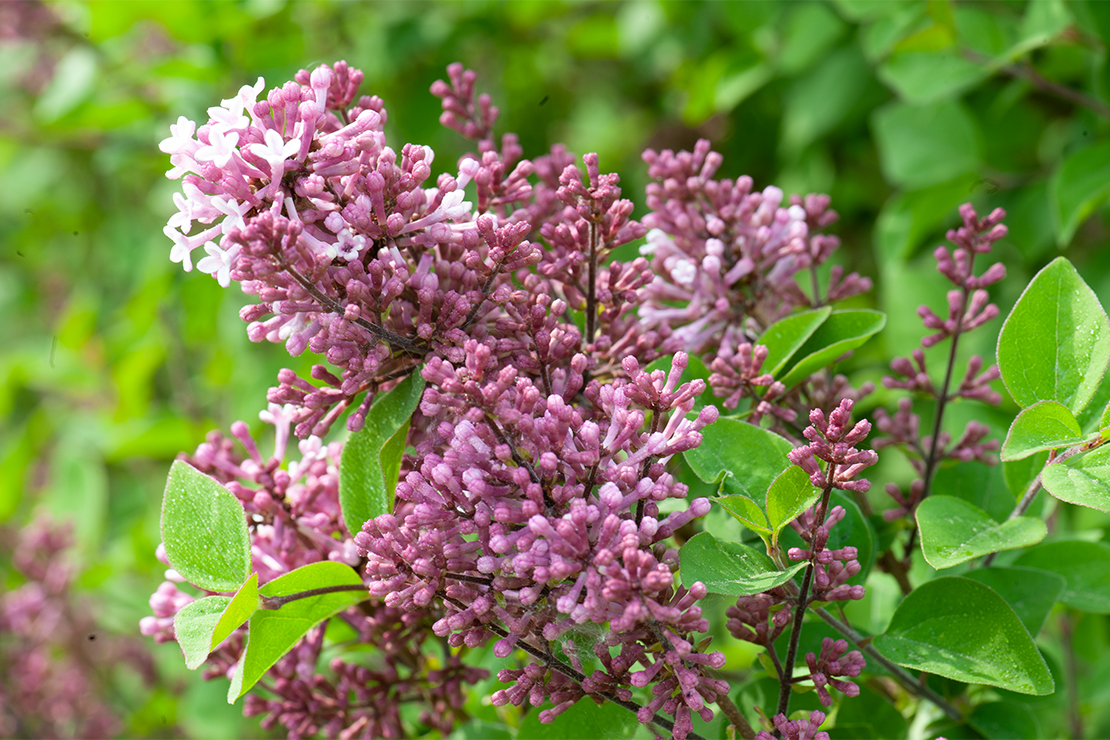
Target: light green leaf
x,y
193,627
729,568
1084,565
788,496
204,529
961,629
1104,423
954,531
1082,479
747,512
1078,187
925,145
1046,425
844,330
1030,592
272,633
371,460
740,456
243,605
922,77
784,337
1055,344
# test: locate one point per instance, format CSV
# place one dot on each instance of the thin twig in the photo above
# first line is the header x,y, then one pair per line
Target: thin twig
x,y
732,713
276,602
1026,71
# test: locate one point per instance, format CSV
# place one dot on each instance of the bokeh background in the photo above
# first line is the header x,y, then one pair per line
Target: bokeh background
x,y
113,360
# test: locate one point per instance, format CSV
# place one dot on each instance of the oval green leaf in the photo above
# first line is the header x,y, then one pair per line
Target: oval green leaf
x,y
729,568
788,496
1029,591
784,337
1046,425
193,627
843,331
1082,479
272,633
1055,344
204,529
371,460
740,456
954,531
1079,186
242,606
961,629
1084,565
747,512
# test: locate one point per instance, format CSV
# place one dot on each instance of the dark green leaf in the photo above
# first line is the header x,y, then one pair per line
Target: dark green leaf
x,y
926,144
1055,344
1079,186
1084,565
743,457
998,720
193,627
271,633
953,531
842,331
1046,425
204,529
788,496
1019,474
1081,479
959,628
243,605
784,337
371,458
868,716
1030,592
729,568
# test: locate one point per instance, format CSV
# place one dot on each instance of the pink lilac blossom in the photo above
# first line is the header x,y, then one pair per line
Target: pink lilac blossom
x,y
834,661
796,729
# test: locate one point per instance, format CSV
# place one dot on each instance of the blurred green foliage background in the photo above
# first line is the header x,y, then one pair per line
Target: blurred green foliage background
x,y
113,360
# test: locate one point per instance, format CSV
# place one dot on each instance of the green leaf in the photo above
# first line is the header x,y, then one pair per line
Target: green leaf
x,y
243,605
1019,474
742,457
922,77
584,719
921,145
844,330
823,98
788,496
1104,422
997,720
954,531
1055,344
784,337
868,716
272,633
1082,479
1084,565
729,568
1046,425
747,512
961,629
371,460
1030,592
204,529
1079,186
193,627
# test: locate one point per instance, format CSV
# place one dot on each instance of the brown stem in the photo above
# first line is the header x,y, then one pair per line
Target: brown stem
x,y
591,287
732,713
1026,71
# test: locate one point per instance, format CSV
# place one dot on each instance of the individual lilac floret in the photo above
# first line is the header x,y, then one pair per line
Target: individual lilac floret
x,y
833,662
796,729
834,442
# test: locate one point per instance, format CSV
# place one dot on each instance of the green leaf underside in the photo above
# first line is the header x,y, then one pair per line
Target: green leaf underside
x,y
961,629
746,511
1085,567
998,720
1082,479
747,457
1030,592
789,495
783,338
1055,344
204,529
841,332
371,458
1046,425
730,568
954,531
193,627
271,633
242,606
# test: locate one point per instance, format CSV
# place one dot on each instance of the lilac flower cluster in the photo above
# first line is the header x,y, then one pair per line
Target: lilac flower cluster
x,y
796,729
969,307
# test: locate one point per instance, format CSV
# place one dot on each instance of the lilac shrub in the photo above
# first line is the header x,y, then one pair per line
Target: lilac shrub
x,y
537,497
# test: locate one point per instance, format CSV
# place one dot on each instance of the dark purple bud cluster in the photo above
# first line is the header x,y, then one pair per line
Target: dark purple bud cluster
x,y
832,568
796,729
834,442
739,374
824,669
